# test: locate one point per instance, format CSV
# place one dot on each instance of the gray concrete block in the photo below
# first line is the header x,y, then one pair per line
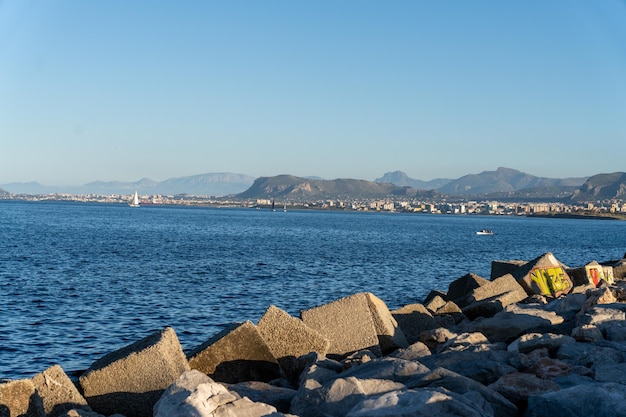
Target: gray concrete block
x,y
130,381
504,284
236,354
288,338
489,307
58,392
499,268
20,398
435,303
390,336
591,274
347,323
414,319
544,275
460,287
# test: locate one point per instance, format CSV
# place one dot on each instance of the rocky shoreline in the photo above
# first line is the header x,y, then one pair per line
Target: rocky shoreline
x,y
538,338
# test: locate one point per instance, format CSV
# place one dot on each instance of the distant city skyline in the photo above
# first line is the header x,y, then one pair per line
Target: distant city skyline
x,y
119,91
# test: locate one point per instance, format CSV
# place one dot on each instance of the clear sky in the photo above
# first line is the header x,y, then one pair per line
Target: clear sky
x,y
122,90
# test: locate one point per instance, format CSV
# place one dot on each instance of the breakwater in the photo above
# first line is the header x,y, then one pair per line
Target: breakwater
x,y
126,273
535,338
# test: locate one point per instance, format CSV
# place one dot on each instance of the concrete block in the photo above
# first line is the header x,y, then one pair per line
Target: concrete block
x,y
390,337
499,268
460,287
433,294
130,381
414,319
347,323
449,307
58,392
435,303
288,338
609,275
504,284
544,275
236,354
592,273
619,268
20,398
488,307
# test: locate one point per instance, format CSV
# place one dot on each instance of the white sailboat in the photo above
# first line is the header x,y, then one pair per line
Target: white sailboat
x,y
135,200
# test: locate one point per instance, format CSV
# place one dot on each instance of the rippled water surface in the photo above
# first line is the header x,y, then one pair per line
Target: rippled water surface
x,y
80,280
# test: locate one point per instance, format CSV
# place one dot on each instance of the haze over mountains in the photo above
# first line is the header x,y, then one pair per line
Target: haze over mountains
x,y
503,183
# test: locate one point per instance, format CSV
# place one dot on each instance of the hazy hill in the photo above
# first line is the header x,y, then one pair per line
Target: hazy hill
x,y
292,188
401,179
602,186
116,187
503,180
216,184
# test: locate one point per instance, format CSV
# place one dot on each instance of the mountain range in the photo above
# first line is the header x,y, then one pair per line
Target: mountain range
x,y
502,184
296,188
215,184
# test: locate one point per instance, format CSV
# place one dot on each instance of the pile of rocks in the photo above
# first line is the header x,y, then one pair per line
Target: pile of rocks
x,y
536,339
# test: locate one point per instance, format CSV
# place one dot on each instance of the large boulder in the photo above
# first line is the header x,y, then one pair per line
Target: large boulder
x,y
444,378
288,338
195,394
278,397
531,341
424,402
130,380
480,363
58,392
337,397
544,275
517,387
587,400
20,398
514,321
388,368
238,353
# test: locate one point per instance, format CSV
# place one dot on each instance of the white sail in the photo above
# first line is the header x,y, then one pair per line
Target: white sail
x,y
135,201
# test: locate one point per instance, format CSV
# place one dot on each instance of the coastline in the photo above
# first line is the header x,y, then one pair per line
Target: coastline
x,y
607,216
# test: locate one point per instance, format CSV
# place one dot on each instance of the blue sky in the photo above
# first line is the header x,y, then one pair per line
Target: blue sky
x,y
118,90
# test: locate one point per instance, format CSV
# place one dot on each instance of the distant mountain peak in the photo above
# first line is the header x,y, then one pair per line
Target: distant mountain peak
x,y
400,178
503,180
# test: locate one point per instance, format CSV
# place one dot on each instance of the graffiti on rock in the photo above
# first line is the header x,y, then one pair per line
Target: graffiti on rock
x,y
550,281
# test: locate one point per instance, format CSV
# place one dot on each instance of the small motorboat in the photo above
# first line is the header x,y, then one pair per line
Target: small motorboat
x,y
484,232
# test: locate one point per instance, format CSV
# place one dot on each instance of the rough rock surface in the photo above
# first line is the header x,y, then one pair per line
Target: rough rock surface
x,y
238,353
130,380
20,398
58,392
288,338
347,323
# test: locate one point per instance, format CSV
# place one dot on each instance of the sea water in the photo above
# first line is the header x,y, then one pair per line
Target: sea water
x,y
79,280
